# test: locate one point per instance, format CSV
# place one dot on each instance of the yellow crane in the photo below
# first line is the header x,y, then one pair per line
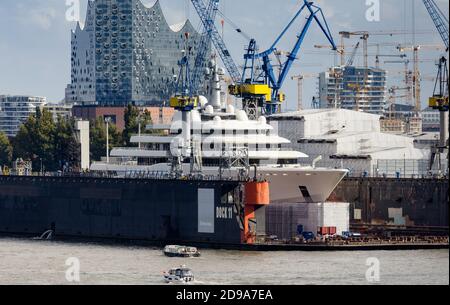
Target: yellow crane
x,y
416,69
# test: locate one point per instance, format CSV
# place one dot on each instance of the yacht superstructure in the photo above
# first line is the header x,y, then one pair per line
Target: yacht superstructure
x,y
223,141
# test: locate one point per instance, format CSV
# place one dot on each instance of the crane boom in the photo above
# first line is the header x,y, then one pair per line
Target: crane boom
x,y
269,85
439,19
277,84
217,40
352,57
204,46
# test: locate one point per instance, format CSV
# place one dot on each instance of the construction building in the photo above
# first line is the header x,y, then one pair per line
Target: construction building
x,y
354,88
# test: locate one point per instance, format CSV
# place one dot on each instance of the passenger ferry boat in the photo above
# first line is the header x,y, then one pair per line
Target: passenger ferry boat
x,y
180,275
216,139
181,251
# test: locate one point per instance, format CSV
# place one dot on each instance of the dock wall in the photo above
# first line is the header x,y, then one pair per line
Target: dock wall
x,y
410,202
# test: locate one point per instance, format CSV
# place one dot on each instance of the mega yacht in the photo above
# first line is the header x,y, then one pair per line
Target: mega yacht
x,y
217,139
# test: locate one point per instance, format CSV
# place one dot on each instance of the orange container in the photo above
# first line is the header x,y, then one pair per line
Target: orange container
x,y
257,193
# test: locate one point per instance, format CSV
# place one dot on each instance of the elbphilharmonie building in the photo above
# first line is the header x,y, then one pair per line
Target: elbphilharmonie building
x,y
126,53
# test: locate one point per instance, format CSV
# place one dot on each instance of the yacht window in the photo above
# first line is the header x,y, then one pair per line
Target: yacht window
x,y
246,132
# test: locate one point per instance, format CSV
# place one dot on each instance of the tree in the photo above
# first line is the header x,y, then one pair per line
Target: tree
x,y
35,141
6,150
132,117
98,138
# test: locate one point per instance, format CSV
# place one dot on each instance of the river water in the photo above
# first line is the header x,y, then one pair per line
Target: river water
x,y
25,261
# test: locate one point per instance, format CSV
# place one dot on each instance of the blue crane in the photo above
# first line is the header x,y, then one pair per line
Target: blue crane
x,y
213,35
183,98
352,56
262,89
439,19
209,15
188,82
265,75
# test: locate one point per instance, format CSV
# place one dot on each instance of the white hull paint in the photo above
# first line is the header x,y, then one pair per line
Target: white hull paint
x,y
285,182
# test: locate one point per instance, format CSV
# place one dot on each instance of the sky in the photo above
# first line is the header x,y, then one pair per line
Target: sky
x,y
35,39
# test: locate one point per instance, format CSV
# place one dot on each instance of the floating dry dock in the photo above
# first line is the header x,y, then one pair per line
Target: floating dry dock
x,y
158,211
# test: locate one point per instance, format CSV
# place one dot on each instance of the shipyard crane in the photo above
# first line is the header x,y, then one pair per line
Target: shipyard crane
x,y
262,89
184,101
183,98
440,101
259,86
214,36
204,44
439,19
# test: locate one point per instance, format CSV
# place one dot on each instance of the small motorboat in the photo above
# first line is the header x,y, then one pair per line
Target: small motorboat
x,y
181,251
180,275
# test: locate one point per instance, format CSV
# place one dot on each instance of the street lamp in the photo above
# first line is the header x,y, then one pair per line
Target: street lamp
x,y
107,121
139,127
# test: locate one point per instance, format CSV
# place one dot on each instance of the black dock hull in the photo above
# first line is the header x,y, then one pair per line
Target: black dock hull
x,y
150,210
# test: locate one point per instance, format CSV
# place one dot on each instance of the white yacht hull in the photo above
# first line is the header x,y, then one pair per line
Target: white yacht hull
x,y
287,183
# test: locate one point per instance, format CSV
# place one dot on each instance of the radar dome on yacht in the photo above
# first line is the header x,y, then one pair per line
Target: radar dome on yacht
x,y
209,109
230,109
221,71
241,116
262,120
217,119
202,101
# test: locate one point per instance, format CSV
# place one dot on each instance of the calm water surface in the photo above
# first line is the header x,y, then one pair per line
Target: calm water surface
x,y
35,262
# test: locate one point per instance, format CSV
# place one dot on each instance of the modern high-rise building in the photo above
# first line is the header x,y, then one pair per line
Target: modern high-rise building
x,y
126,53
15,110
354,88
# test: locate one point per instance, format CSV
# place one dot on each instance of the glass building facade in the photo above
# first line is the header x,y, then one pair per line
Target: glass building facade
x,y
15,110
127,53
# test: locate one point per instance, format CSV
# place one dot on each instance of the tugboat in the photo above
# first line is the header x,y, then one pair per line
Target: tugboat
x,y
180,275
181,251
